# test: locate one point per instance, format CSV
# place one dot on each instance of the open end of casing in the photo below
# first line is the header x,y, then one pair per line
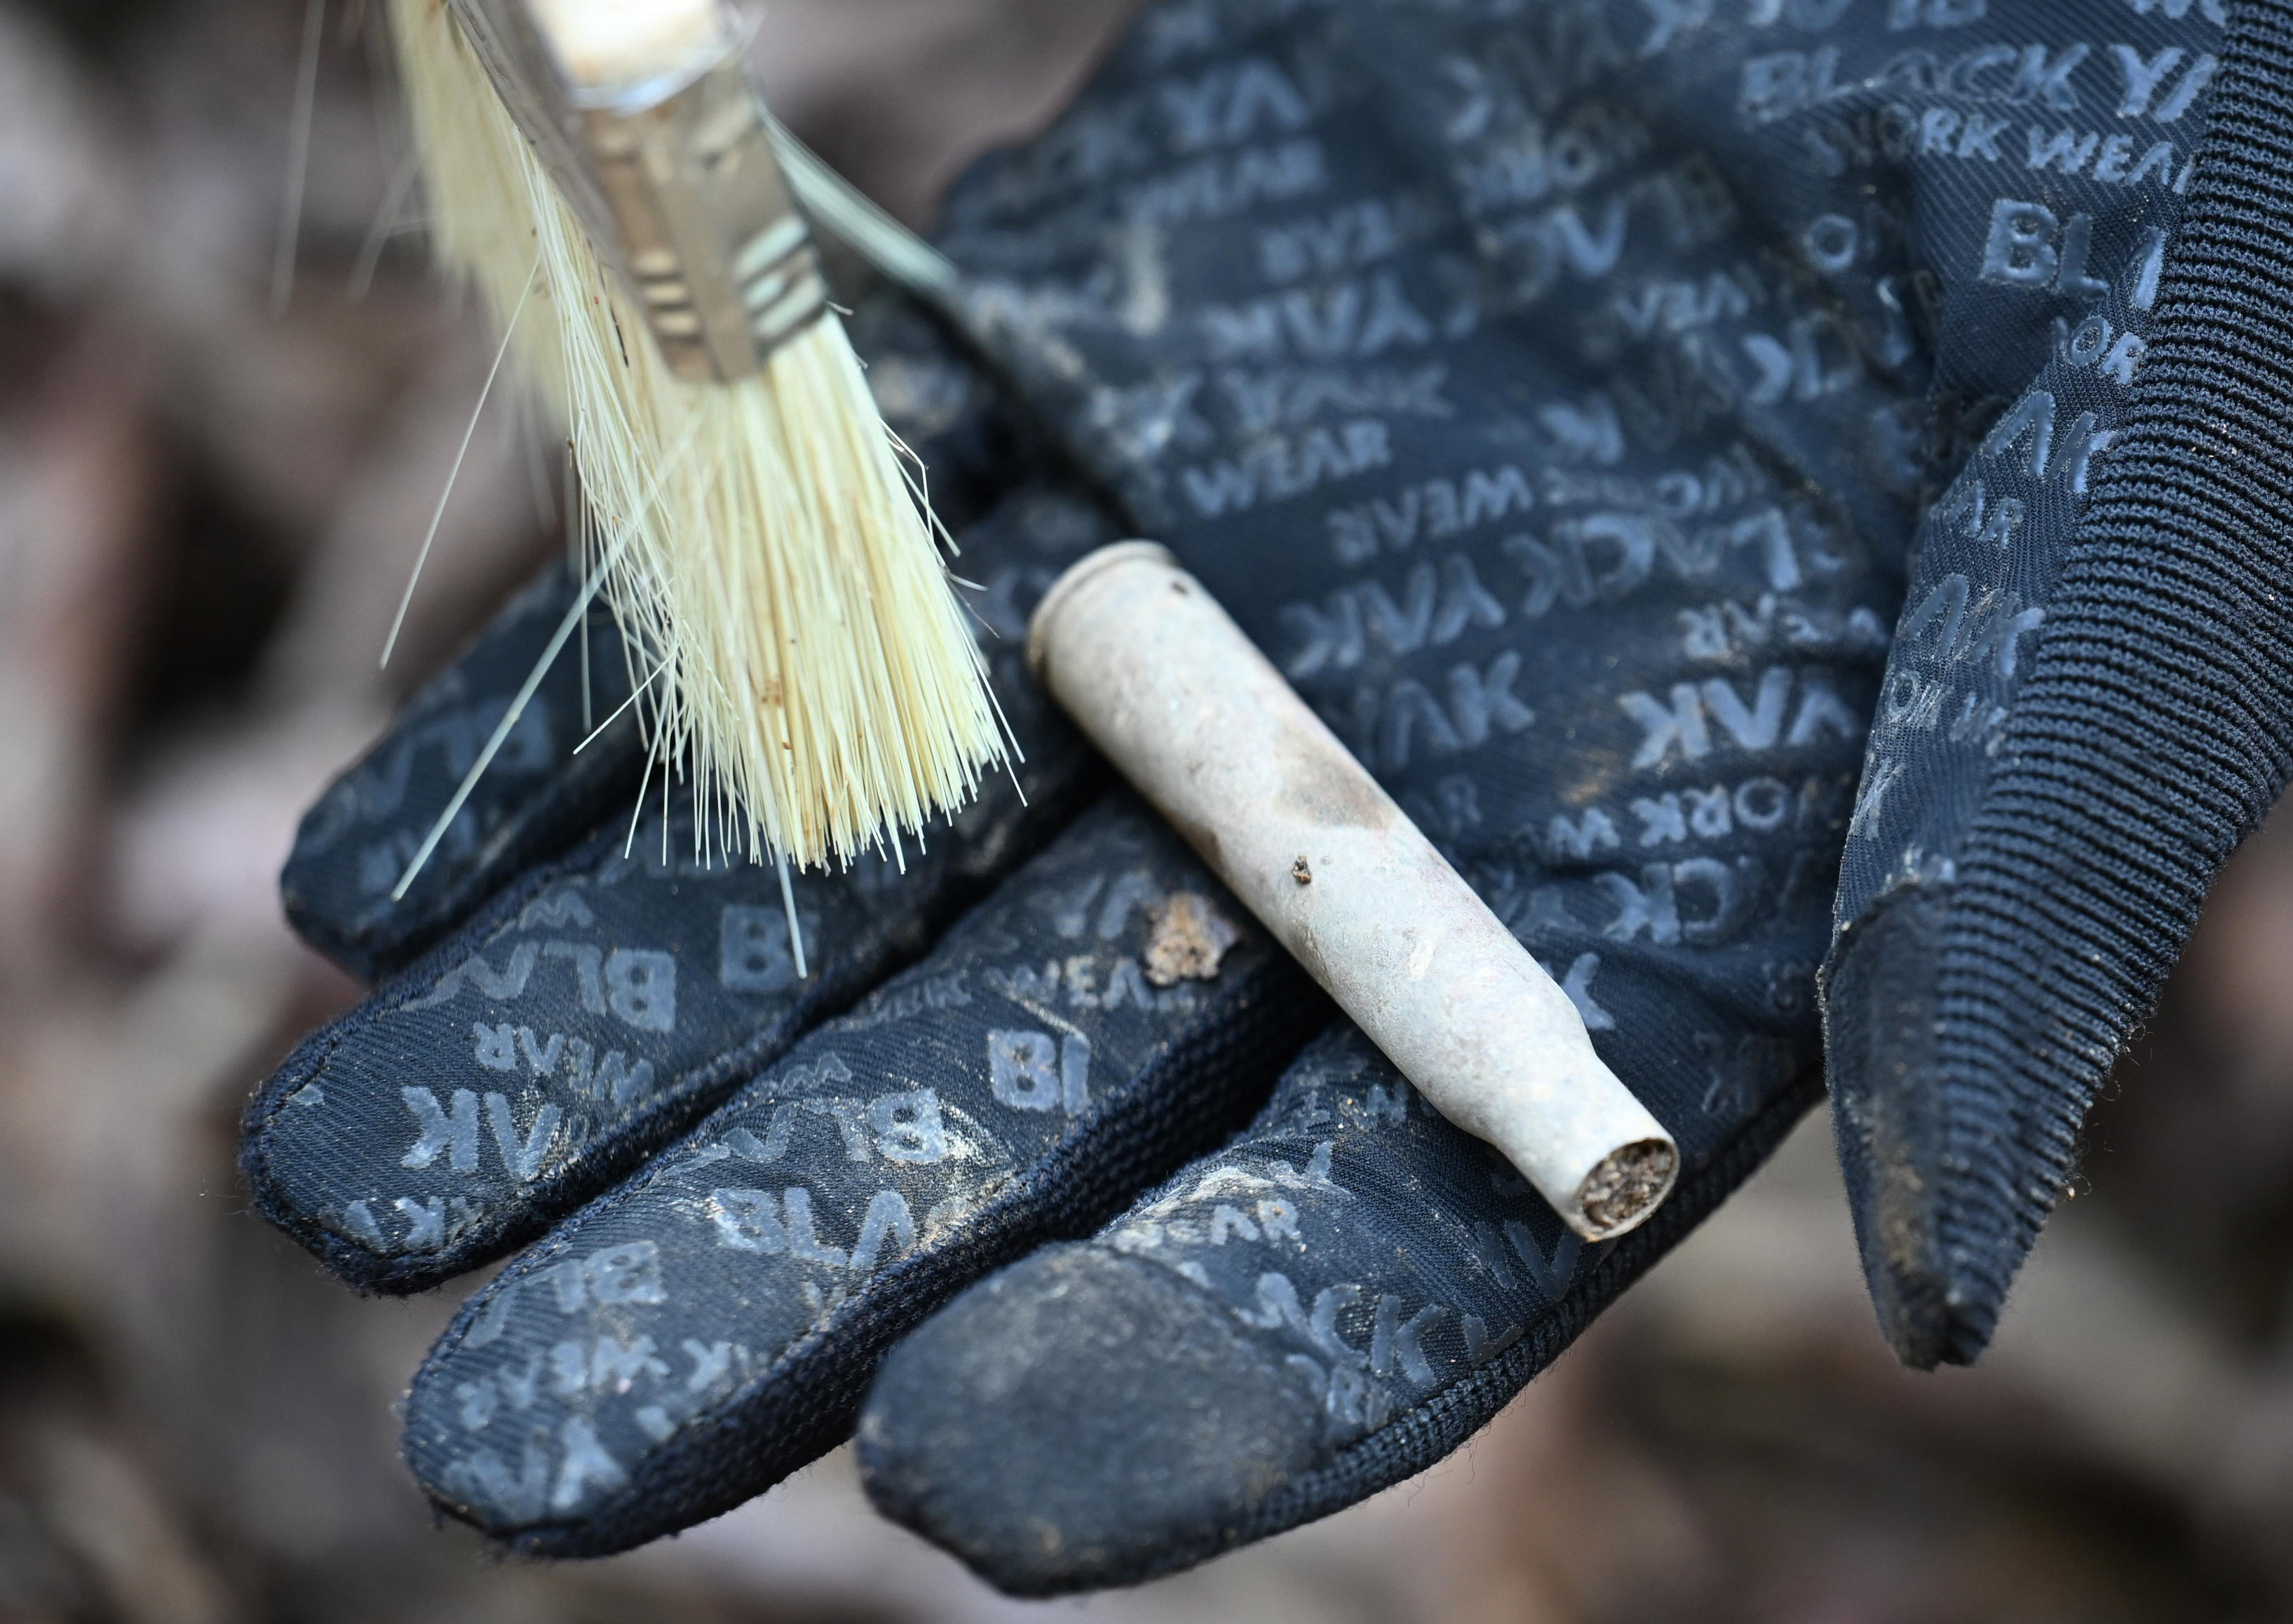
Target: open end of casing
x,y
1631,1183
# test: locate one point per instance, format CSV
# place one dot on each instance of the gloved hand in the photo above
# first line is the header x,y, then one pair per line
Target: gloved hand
x,y
1556,391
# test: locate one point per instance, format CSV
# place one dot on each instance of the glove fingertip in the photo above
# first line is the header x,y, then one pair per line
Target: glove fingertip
x,y
541,782
295,1086
1081,1420
1893,1111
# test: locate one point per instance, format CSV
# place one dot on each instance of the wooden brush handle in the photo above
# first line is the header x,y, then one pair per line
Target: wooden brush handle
x,y
607,45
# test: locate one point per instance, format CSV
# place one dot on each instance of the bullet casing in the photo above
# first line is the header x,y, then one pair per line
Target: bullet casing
x,y
1167,684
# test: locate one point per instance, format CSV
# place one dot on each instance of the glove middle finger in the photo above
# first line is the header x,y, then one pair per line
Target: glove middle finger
x,y
686,1341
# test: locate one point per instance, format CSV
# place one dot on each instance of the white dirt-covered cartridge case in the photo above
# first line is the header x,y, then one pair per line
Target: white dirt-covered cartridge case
x,y
1185,705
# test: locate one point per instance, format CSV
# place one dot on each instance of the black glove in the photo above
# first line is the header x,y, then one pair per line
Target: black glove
x,y
2089,703
1554,392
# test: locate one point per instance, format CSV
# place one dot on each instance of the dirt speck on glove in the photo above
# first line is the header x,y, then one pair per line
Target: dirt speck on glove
x,y
1186,938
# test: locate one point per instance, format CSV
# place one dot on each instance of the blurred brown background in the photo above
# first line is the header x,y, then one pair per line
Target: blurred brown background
x,y
209,499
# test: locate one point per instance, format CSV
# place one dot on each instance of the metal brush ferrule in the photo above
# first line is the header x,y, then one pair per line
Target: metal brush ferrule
x,y
676,179
716,250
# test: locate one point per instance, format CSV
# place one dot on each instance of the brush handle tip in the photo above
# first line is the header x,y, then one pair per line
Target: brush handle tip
x,y
605,45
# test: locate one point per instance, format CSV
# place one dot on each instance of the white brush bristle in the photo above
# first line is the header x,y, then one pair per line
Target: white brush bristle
x,y
813,680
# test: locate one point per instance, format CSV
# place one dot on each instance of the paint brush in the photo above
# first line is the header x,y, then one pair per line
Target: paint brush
x,y
604,174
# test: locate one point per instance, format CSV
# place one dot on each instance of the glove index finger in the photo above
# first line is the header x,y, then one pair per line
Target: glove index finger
x,y
547,783
574,1014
